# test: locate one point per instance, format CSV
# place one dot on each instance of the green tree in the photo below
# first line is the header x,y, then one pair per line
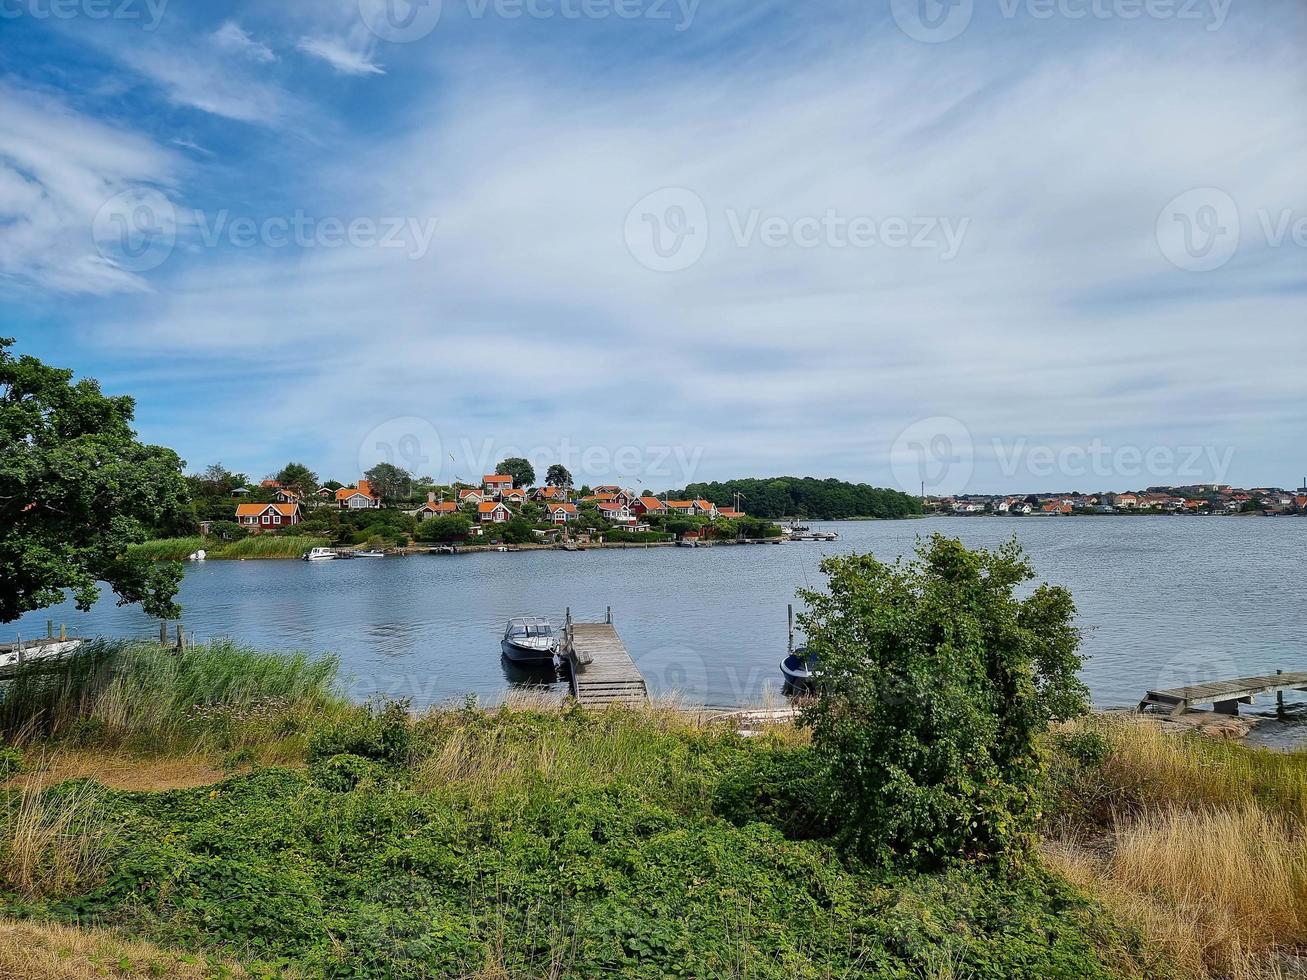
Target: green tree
x,y
389,482
937,681
298,477
558,476
76,490
518,531
521,470
447,527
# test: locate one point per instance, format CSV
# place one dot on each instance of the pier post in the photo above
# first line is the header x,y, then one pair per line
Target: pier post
x,y
22,654
181,638
609,617
1279,700
789,611
49,629
63,631
163,632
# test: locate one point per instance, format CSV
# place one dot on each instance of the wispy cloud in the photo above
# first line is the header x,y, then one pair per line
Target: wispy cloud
x,y
230,37
57,170
758,347
339,56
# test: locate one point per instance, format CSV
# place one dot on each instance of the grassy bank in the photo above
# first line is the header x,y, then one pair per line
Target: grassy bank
x,y
302,836
257,546
1199,844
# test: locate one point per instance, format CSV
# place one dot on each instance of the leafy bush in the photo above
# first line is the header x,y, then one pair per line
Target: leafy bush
x,y
381,732
937,682
784,787
345,772
11,762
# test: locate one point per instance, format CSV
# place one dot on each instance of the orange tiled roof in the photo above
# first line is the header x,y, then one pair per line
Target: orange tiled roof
x,y
653,503
344,493
256,510
497,478
565,508
488,507
444,507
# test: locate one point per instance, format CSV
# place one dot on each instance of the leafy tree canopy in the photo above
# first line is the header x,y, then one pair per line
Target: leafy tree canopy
x,y
788,496
558,476
937,681
521,470
76,489
389,481
298,477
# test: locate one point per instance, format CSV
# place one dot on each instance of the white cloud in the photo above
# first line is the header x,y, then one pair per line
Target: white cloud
x,y
57,169
339,56
231,37
529,322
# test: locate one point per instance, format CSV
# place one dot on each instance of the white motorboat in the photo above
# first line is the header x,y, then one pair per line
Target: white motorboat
x,y
319,554
529,640
370,553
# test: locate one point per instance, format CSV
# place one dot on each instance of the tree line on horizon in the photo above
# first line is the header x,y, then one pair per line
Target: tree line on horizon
x,y
806,497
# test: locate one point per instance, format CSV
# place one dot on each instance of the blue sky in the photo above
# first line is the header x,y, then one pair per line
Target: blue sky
x,y
988,244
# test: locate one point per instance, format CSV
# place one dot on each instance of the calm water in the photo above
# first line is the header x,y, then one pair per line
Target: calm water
x,y
1163,601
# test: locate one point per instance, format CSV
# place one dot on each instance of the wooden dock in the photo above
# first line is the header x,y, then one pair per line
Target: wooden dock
x,y
1225,696
602,671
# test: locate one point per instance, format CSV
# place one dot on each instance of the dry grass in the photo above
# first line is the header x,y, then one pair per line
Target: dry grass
x,y
119,771
1179,768
51,844
1205,851
33,951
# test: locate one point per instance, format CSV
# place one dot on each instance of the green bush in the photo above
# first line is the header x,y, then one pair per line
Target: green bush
x,y
937,682
783,787
345,772
380,732
11,763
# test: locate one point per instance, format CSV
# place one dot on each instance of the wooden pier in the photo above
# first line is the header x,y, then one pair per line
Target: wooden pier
x,y
1225,696
602,671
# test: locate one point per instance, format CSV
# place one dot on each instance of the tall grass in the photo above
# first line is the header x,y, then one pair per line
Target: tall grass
x,y
142,697
1153,767
520,747
1201,843
255,546
51,844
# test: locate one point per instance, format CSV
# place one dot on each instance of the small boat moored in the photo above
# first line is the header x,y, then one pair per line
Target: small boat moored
x,y
529,640
319,554
800,669
371,553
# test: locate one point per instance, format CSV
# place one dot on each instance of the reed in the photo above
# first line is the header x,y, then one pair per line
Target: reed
x,y
256,546
217,696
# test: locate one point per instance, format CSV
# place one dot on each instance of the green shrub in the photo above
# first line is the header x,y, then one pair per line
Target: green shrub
x,y
344,772
783,787
937,682
380,732
11,763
